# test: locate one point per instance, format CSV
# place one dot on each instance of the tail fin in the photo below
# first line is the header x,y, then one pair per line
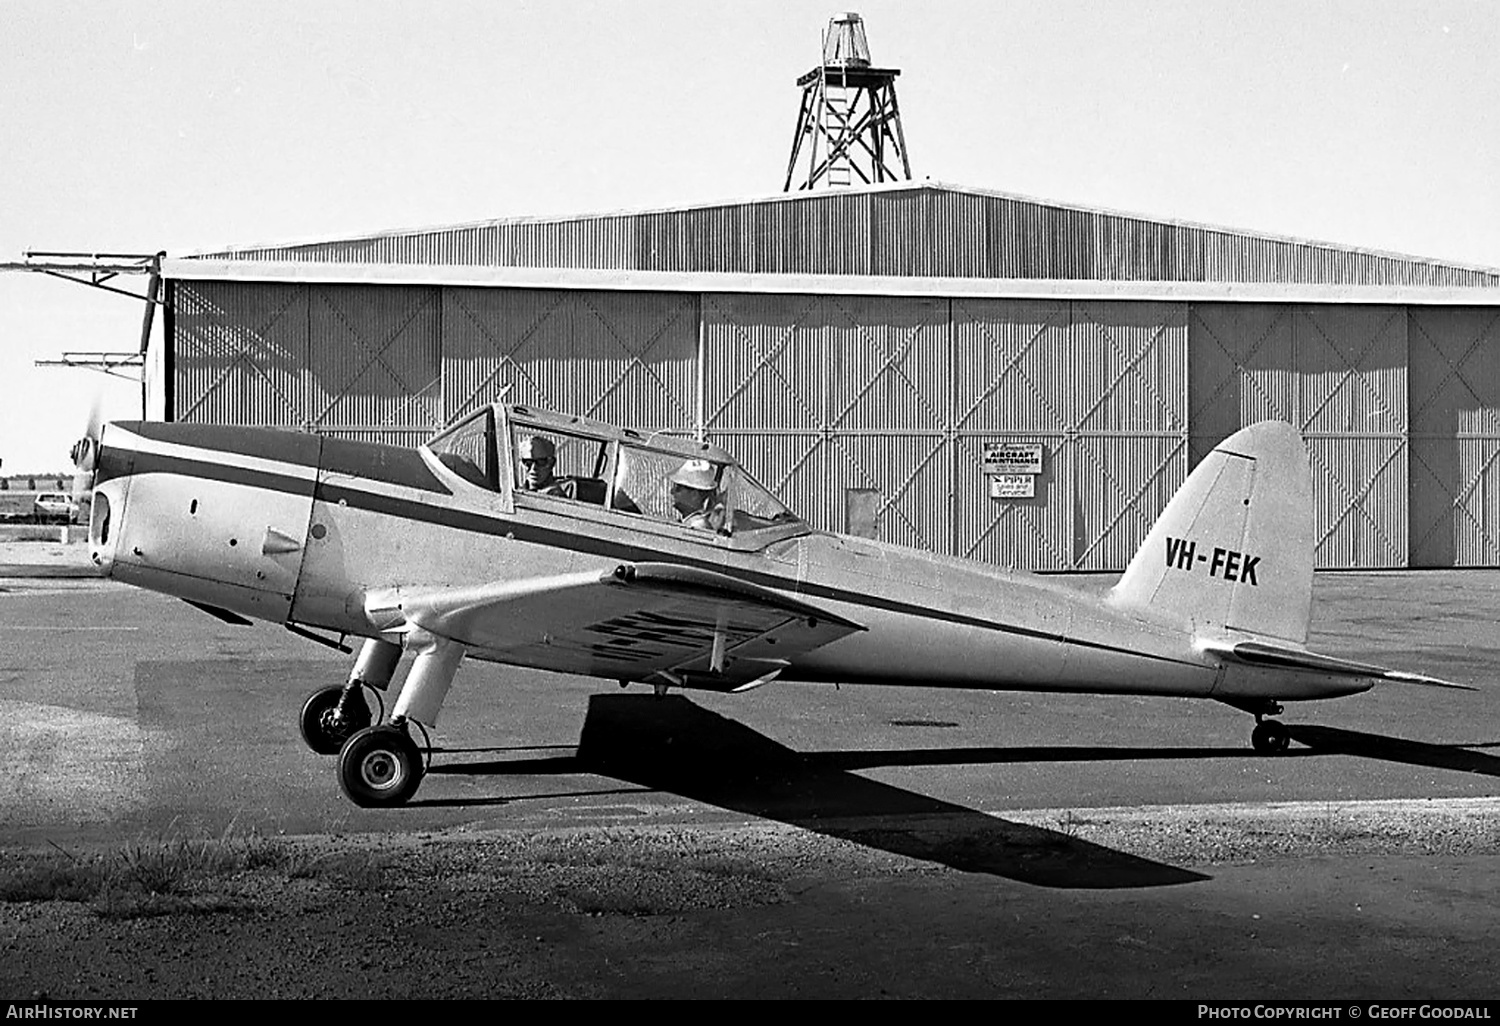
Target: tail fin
x,y
1233,551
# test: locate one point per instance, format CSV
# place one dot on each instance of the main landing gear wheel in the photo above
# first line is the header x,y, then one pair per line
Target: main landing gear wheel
x,y
330,717
380,767
1270,737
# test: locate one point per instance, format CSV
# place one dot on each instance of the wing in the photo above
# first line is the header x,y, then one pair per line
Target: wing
x,y
1260,653
652,622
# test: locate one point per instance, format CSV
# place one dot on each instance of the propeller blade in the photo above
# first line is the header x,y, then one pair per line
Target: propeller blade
x,y
96,418
83,487
85,457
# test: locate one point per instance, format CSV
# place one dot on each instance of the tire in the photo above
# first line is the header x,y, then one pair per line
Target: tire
x,y
380,767
319,728
1270,737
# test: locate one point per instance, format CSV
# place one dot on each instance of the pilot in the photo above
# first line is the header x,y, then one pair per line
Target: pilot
x,y
538,458
695,495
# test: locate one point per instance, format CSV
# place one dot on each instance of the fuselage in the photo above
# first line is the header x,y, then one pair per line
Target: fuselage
x,y
295,528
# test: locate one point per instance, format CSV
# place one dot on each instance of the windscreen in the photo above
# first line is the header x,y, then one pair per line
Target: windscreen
x,y
468,449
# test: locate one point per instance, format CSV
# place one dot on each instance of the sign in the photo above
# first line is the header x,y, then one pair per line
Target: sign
x,y
1012,486
1013,458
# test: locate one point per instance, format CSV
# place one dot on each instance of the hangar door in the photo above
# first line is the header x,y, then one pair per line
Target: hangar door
x,y
360,361
839,405
1339,373
627,358
239,353
1455,435
1101,386
881,408
396,363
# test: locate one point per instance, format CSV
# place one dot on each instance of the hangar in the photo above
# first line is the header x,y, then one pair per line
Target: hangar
x,y
879,355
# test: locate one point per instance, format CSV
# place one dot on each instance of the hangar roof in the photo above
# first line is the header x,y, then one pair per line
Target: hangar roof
x,y
886,238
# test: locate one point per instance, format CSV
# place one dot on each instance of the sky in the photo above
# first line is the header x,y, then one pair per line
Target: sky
x,y
178,125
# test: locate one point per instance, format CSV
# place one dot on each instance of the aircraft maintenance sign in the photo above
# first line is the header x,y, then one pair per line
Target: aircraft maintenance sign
x,y
1013,458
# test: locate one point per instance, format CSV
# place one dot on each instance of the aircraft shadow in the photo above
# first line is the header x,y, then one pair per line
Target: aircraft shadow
x,y
672,745
1024,754
1335,741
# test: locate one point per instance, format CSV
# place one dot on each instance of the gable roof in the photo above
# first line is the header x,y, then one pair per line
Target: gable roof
x,y
909,230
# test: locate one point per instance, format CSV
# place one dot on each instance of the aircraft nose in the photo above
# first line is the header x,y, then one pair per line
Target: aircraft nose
x,y
102,521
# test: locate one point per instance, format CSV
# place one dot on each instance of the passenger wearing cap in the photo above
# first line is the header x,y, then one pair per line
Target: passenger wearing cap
x,y
695,495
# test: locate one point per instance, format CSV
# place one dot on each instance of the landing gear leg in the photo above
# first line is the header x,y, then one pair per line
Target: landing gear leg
x,y
376,664
382,766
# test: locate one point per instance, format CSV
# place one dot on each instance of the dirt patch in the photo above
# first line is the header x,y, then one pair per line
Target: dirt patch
x,y
1295,901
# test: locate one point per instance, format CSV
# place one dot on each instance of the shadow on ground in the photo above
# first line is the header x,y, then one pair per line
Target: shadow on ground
x,y
1334,741
672,745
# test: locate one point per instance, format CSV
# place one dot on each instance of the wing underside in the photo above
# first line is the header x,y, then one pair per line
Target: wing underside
x,y
650,622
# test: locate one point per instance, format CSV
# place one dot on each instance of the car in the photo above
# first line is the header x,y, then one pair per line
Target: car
x,y
55,507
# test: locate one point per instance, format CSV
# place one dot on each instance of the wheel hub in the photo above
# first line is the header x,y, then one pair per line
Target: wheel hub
x,y
333,724
380,770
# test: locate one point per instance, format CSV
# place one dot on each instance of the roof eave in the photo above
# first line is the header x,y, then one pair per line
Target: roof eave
x,y
198,269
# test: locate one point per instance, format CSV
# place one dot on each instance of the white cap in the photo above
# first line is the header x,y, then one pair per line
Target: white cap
x,y
699,474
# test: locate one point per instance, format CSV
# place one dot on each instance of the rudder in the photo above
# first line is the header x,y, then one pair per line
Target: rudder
x,y
1233,550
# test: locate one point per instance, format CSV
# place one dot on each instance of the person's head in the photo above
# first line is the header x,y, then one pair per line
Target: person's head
x,y
538,456
693,486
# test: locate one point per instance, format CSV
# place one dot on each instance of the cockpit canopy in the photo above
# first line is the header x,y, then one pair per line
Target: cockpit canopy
x,y
662,478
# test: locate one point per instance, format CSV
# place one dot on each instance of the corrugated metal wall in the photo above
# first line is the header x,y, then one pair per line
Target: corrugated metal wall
x,y
902,396
824,397
1455,436
918,229
836,393
240,355
1338,372
375,358
1099,384
1012,362
1352,411
622,357
396,363
334,358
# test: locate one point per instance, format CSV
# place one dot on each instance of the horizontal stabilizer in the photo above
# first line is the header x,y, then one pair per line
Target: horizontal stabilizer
x,y
1258,653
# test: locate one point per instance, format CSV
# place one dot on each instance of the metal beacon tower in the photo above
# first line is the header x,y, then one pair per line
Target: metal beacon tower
x,y
849,127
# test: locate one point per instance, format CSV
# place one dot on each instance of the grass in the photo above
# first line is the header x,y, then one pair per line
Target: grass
x,y
177,874
626,873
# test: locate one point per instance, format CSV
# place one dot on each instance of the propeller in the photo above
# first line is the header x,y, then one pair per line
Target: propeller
x,y
85,454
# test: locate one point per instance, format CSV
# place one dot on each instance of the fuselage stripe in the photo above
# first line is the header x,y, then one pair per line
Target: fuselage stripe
x,y
480,523
155,463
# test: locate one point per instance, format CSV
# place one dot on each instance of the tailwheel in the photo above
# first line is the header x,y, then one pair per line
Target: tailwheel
x,y
331,716
1270,737
380,767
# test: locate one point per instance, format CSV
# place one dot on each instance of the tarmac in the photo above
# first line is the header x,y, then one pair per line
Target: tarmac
x,y
46,559
806,841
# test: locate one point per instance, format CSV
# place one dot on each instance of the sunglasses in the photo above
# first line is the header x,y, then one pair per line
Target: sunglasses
x,y
541,460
